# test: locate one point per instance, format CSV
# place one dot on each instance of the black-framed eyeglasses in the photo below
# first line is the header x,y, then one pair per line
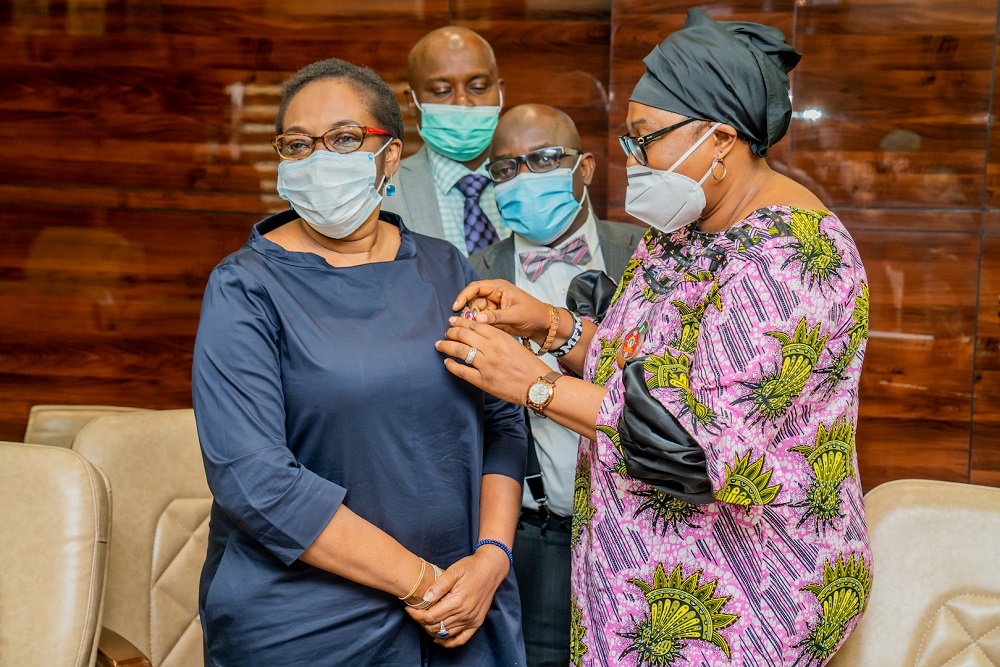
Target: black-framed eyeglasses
x,y
636,146
539,162
343,139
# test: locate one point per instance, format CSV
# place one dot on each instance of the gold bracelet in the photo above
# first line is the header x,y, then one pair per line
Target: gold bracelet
x,y
553,327
424,604
420,578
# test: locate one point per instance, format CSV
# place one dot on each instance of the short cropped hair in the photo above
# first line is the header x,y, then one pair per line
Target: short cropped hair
x,y
377,95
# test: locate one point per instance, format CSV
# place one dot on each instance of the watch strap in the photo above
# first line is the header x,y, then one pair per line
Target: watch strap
x,y
552,376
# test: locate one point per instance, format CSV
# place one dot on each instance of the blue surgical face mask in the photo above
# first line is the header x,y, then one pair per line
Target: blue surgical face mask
x,y
539,207
455,131
335,193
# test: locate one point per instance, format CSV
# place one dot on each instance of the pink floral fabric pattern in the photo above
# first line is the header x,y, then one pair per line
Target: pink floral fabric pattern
x,y
753,339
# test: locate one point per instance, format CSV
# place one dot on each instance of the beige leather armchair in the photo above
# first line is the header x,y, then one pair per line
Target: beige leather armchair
x,y
58,424
935,598
55,519
159,531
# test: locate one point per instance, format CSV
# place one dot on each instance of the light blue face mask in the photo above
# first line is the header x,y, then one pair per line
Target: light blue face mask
x,y
539,207
455,131
334,192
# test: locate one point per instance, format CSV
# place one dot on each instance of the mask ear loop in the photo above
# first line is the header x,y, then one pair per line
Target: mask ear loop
x,y
390,189
579,159
416,102
694,148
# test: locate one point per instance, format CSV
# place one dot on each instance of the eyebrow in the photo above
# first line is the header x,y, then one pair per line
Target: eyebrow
x,y
531,150
639,122
297,129
488,78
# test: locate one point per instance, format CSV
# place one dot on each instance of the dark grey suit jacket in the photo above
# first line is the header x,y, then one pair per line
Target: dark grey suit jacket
x,y
618,242
416,196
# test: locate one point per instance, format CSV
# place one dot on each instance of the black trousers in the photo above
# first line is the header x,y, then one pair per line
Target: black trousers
x,y
542,566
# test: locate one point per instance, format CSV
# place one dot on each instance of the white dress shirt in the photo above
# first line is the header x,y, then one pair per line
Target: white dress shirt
x,y
556,445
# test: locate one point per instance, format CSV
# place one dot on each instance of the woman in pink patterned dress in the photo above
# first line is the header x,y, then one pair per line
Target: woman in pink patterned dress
x,y
718,512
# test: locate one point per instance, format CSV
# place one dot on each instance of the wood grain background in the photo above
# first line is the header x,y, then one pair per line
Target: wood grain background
x,y
137,156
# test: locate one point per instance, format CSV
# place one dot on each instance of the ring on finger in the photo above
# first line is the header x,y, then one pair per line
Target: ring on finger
x,y
443,631
470,356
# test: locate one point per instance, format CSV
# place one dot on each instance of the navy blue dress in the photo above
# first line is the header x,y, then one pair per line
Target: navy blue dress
x,y
316,386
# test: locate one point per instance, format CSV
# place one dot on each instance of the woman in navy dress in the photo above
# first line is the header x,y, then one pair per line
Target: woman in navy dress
x,y
350,470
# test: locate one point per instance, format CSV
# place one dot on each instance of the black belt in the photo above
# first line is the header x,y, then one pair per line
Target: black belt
x,y
546,520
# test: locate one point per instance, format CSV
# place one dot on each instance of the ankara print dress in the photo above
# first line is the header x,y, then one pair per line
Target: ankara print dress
x,y
753,339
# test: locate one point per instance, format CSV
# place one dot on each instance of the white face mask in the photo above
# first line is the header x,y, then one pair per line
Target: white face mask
x,y
334,192
666,200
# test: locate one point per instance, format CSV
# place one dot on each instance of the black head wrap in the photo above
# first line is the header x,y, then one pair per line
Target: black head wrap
x,y
729,71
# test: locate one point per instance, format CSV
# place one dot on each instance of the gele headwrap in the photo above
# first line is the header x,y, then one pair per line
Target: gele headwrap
x,y
730,71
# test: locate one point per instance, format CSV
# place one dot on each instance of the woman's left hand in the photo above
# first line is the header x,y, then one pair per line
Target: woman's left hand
x,y
500,366
464,593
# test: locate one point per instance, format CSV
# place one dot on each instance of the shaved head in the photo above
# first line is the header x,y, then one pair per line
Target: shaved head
x,y
447,43
528,127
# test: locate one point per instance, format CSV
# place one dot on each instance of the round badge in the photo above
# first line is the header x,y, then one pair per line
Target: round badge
x,y
631,344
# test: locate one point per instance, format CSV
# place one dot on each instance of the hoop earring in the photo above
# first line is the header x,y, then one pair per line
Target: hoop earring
x,y
724,169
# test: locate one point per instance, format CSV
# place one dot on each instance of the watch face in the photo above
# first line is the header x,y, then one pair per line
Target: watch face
x,y
539,392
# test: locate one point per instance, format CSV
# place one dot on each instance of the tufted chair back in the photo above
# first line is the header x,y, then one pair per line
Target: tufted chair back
x,y
58,424
159,531
935,598
55,520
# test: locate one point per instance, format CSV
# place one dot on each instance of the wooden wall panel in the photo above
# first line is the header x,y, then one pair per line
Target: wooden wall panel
x,y
985,461
918,364
923,144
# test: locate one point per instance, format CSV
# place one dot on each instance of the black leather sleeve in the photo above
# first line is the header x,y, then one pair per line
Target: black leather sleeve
x,y
656,448
589,294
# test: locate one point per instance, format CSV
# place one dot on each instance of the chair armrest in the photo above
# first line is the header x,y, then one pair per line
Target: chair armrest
x,y
115,651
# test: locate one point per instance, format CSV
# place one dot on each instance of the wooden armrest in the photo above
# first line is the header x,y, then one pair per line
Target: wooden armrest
x,y
115,651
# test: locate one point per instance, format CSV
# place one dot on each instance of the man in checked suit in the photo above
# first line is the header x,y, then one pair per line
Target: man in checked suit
x,y
540,176
455,91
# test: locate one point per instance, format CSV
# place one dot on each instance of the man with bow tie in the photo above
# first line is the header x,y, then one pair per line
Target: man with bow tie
x,y
540,176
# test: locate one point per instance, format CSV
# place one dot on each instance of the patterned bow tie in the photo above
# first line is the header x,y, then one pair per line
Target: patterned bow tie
x,y
536,261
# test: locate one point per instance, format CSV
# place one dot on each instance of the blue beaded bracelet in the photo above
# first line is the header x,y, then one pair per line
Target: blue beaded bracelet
x,y
501,545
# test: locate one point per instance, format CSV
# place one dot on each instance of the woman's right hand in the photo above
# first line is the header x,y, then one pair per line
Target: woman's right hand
x,y
506,307
463,595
